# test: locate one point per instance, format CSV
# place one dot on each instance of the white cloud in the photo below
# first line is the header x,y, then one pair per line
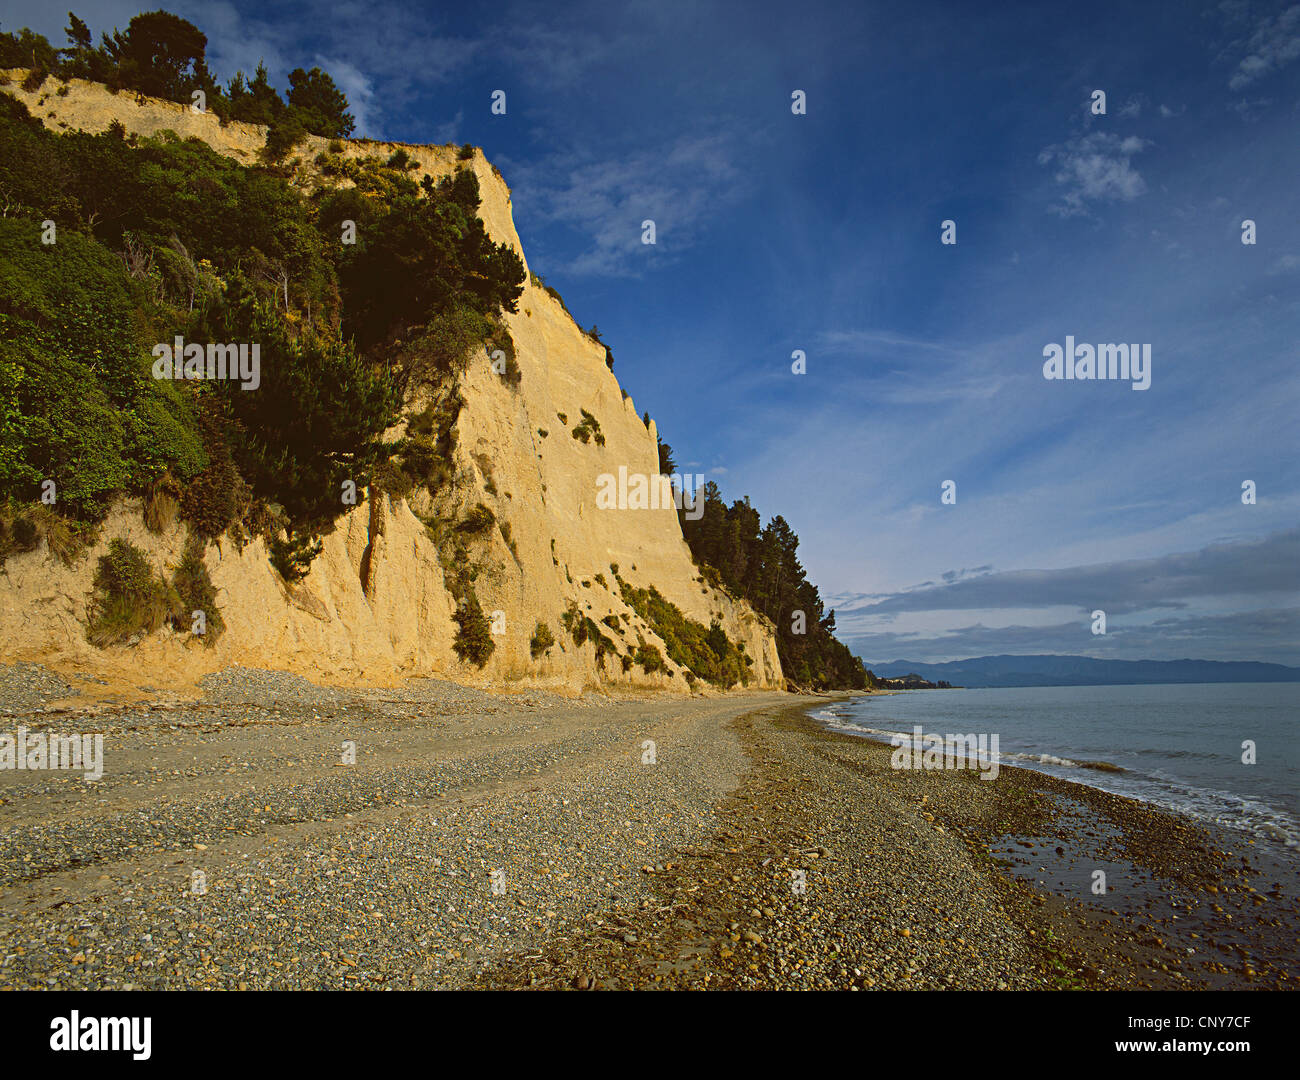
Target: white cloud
x,y
679,188
1273,45
1094,168
359,90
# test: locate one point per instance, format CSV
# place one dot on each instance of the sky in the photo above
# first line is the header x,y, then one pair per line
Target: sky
x,y
822,232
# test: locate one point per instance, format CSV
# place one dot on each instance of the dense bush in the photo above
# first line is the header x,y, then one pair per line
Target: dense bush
x,y
130,598
473,640
78,404
216,497
761,565
286,131
19,536
293,554
706,651
650,659
588,428
425,260
582,628
542,640
478,520
162,236
193,584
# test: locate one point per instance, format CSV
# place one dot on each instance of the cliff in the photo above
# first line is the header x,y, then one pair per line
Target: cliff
x,y
375,606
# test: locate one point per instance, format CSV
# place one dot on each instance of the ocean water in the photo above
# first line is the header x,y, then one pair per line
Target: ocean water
x,y
1180,746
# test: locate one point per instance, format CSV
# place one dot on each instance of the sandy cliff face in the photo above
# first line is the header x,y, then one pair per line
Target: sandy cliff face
x,y
397,622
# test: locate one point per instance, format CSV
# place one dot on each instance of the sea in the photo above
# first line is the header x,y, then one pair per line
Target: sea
x,y
1179,746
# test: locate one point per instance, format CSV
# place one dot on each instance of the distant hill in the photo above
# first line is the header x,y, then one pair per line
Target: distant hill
x,y
982,671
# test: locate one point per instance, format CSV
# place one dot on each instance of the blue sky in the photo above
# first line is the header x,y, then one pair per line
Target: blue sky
x,y
821,232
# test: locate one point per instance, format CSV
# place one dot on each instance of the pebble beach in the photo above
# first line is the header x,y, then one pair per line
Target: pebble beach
x,y
271,833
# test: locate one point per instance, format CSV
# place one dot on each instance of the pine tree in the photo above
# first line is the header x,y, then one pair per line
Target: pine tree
x,y
322,106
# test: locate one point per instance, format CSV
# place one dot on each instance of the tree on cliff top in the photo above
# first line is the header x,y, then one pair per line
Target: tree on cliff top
x,y
161,55
255,101
322,106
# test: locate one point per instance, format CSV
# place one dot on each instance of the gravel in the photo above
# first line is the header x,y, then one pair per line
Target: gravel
x,y
26,686
531,840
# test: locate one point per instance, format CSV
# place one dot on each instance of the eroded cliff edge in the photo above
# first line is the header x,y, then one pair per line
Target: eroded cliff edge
x,y
377,605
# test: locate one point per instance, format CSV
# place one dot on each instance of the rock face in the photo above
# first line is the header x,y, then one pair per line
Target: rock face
x,y
375,606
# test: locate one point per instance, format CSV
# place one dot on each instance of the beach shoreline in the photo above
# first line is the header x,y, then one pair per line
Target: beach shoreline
x,y
529,840
1185,892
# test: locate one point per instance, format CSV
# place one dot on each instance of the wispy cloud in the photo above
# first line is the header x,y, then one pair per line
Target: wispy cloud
x,y
606,200
358,87
1266,566
1269,634
553,56
1274,43
1095,168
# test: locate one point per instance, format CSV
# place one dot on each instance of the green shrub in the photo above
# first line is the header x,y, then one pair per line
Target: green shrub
x,y
25,536
77,403
18,537
706,651
542,640
465,152
193,584
478,520
160,236
35,79
427,256
587,428
424,457
473,634
129,597
22,528
161,504
574,623
650,659
293,554
582,628
282,135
